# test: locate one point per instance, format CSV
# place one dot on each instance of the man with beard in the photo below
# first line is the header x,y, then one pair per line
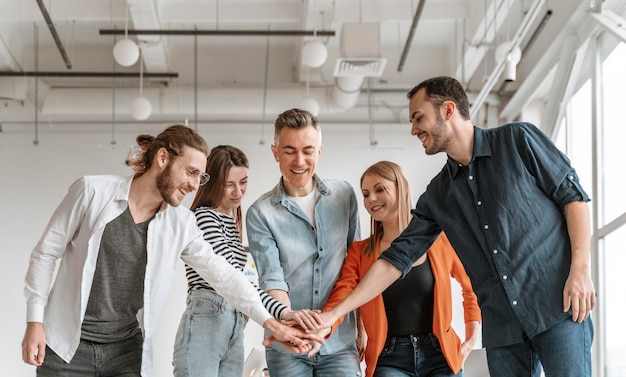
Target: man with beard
x,y
119,240
515,212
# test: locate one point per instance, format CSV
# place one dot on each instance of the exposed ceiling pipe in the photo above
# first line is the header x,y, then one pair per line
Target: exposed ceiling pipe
x,y
409,39
523,30
54,33
179,102
201,32
87,74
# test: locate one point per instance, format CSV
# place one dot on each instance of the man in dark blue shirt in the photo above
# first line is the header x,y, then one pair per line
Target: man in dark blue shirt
x,y
515,212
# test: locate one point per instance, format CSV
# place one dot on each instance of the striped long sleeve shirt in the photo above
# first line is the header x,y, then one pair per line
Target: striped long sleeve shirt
x,y
221,232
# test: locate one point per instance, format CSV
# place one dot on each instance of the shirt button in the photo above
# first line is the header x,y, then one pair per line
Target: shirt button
x,y
495,251
471,177
479,202
317,292
505,277
317,270
571,177
514,303
486,226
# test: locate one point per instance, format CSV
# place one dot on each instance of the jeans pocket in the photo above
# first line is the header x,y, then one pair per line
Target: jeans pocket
x,y
435,343
202,308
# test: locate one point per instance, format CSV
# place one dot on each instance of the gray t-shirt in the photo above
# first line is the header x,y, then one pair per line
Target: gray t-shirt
x,y
117,290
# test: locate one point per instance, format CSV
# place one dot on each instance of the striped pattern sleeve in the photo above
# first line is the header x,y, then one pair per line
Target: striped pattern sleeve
x,y
275,307
221,232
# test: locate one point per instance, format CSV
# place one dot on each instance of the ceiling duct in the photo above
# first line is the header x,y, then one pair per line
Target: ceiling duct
x,y
360,51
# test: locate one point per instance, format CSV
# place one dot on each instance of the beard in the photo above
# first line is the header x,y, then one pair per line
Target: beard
x,y
439,136
165,187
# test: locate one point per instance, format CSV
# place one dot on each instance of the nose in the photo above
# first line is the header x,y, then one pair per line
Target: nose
x,y
414,129
299,158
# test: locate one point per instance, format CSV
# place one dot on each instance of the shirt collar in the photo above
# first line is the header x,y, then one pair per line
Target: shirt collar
x,y
280,193
481,149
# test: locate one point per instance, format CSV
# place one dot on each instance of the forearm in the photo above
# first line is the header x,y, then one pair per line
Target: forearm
x,y
579,230
380,276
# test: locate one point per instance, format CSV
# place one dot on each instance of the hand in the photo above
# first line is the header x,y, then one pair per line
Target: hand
x,y
292,335
307,345
34,344
305,318
326,320
471,337
361,342
580,295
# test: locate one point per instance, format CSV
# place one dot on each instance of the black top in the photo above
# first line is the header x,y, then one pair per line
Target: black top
x,y
409,302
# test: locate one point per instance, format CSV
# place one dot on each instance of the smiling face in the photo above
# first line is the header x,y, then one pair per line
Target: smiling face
x,y
234,189
297,152
380,198
181,175
428,124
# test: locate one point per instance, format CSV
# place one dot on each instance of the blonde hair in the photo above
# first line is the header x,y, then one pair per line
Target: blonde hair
x,y
387,170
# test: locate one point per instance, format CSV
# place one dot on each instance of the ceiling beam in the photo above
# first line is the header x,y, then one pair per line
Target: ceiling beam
x,y
409,38
521,33
55,35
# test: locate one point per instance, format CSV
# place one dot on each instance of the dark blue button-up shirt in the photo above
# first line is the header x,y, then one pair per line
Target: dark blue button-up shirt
x,y
503,213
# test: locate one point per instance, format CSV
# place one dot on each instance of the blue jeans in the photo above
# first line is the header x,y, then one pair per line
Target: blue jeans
x,y
209,341
119,359
564,351
344,363
414,356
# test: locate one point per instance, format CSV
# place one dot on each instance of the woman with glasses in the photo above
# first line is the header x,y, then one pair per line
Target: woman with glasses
x,y
210,337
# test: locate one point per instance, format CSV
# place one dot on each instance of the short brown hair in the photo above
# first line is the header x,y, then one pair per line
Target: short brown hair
x,y
443,88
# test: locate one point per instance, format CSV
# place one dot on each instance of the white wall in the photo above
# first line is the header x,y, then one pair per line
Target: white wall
x,y
34,180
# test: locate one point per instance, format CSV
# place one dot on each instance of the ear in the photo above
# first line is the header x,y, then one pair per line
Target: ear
x,y
275,152
162,157
449,109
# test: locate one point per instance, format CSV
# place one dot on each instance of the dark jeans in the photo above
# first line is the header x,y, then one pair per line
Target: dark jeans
x,y
564,351
121,359
413,355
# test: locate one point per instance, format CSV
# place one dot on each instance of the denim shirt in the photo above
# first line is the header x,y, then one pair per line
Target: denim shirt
x,y
305,261
503,214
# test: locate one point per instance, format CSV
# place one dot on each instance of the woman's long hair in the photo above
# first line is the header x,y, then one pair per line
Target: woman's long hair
x,y
391,171
221,159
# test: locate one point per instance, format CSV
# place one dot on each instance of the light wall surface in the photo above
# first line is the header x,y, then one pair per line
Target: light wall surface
x,y
35,179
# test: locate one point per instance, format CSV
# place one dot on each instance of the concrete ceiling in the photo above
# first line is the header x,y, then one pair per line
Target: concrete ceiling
x,y
251,78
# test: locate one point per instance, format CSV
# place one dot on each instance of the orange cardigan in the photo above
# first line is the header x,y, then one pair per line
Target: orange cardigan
x,y
445,263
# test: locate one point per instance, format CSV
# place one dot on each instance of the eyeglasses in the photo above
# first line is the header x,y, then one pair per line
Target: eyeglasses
x,y
195,175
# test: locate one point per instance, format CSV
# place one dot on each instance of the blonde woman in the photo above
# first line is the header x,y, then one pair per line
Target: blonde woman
x,y
408,325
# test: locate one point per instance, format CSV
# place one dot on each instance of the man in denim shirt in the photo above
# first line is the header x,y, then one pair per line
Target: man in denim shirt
x,y
299,233
513,209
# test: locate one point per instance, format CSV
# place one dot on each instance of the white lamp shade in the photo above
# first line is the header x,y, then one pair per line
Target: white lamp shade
x,y
502,53
126,52
314,53
311,105
140,108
